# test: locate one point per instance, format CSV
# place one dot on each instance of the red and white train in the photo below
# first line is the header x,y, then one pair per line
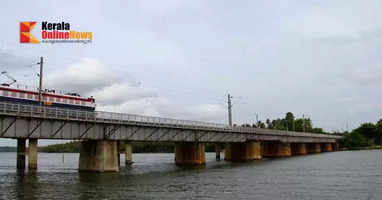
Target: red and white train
x,y
49,98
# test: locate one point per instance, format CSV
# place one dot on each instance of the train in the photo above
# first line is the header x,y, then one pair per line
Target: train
x,y
22,95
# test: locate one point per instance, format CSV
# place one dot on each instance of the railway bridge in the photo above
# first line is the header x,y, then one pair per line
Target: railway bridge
x,y
102,133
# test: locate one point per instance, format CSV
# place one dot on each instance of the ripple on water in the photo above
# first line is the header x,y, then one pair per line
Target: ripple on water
x,y
338,175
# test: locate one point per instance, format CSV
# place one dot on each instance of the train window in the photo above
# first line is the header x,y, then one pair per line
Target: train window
x,y
58,99
13,94
83,103
6,93
22,95
29,96
35,96
71,101
44,98
64,100
77,102
51,99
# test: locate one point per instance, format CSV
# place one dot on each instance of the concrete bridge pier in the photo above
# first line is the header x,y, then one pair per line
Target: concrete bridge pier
x,y
314,148
277,149
298,148
227,151
32,154
190,153
99,156
128,154
243,151
217,151
326,147
335,146
21,153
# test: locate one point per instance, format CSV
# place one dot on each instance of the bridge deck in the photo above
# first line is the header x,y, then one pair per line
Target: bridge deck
x,y
26,121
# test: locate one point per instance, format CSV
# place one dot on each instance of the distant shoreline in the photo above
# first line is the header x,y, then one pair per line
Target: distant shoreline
x,y
362,148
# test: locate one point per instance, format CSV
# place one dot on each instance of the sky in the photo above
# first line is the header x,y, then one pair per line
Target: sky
x,y
180,59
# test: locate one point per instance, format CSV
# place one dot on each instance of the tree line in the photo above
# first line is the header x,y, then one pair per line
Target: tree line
x,y
289,123
366,135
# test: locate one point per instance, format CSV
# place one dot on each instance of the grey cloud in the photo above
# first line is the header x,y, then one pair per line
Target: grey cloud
x,y
318,58
84,77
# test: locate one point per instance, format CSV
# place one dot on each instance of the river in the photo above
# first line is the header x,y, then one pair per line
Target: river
x,y
337,175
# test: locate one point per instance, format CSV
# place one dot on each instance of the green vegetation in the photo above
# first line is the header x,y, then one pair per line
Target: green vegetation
x,y
366,136
8,149
288,123
70,147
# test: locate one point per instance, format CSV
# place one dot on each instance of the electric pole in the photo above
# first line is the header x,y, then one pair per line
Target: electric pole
x,y
229,110
257,121
40,85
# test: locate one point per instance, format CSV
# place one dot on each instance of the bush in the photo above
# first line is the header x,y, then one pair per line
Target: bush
x,y
354,139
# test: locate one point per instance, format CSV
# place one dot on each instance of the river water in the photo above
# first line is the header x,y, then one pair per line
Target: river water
x,y
336,175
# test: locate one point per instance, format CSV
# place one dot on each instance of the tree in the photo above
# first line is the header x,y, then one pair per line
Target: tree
x,y
317,130
289,118
299,125
261,124
378,139
355,139
368,130
269,124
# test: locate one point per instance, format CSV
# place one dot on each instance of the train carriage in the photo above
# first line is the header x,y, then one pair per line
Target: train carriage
x,y
49,98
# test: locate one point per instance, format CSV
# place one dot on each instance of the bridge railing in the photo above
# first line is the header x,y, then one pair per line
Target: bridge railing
x,y
53,112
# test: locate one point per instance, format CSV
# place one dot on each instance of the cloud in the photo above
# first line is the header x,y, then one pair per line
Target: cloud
x,y
84,76
366,76
116,93
206,112
10,60
318,58
120,93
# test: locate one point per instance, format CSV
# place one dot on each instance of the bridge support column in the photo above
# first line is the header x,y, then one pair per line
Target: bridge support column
x,y
128,154
99,156
298,148
227,151
335,146
314,148
243,151
21,154
32,154
190,153
276,149
326,147
217,150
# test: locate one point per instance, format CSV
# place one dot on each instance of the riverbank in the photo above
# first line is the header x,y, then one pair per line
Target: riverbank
x,y
373,147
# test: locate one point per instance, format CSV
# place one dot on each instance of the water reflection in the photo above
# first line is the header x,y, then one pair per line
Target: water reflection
x,y
27,186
